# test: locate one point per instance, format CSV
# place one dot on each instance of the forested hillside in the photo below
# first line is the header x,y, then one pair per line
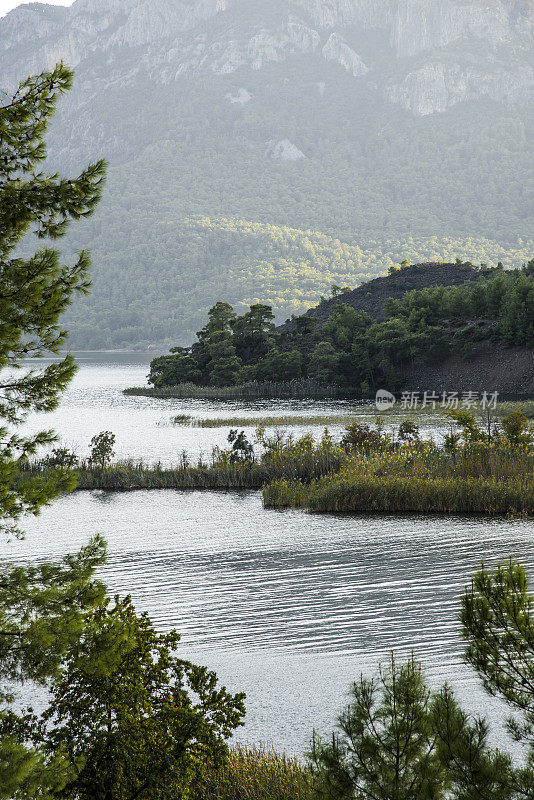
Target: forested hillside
x,y
347,347
263,152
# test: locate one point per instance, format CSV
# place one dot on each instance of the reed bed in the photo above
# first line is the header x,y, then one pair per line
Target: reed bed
x,y
266,422
254,773
119,478
368,471
509,406
480,478
301,390
283,457
391,494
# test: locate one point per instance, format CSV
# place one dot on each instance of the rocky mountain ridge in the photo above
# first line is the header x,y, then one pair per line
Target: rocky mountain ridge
x,y
444,52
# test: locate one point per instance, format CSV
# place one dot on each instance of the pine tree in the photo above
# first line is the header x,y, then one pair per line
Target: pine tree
x,y
386,745
44,608
498,624
34,291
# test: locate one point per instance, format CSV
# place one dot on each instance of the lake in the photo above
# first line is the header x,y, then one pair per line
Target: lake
x,y
287,606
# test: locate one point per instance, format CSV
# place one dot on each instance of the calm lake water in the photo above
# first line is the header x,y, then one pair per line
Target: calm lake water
x,y
143,426
286,606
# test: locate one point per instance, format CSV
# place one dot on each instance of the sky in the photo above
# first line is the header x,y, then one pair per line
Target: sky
x,y
7,5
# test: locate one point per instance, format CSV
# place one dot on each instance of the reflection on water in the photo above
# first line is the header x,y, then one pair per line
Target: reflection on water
x,y
287,606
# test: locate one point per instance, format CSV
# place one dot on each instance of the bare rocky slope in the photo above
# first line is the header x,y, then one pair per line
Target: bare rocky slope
x,y
489,368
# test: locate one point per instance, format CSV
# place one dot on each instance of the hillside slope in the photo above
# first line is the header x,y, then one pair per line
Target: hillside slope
x,y
399,129
490,368
431,327
372,296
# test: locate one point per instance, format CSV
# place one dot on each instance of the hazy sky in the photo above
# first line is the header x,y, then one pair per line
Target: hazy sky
x,y
7,5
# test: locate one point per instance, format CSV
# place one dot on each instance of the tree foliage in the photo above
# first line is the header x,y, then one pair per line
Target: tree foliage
x,y
352,349
397,740
35,291
386,745
42,608
128,718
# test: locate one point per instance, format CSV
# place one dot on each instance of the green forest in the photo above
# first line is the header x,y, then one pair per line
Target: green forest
x,y
194,209
351,349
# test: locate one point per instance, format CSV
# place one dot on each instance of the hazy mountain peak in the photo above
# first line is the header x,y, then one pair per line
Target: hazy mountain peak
x,y
476,48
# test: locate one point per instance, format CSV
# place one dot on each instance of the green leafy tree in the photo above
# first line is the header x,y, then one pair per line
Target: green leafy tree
x,y
465,421
399,741
221,317
252,333
359,436
516,429
180,367
60,457
323,364
224,366
242,450
102,449
130,718
409,431
43,611
277,366
305,326
214,352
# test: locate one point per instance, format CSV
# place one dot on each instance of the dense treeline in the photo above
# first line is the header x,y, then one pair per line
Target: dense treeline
x,y
351,349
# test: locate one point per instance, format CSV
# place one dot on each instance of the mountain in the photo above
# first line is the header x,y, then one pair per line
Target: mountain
x,y
261,151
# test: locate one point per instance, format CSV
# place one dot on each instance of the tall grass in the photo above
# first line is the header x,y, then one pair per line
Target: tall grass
x,y
298,389
283,457
391,494
266,422
420,478
255,773
367,471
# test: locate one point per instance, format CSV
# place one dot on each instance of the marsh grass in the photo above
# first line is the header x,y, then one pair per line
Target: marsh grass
x,y
267,422
254,773
301,389
480,478
283,457
508,407
421,413
389,495
424,416
371,472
